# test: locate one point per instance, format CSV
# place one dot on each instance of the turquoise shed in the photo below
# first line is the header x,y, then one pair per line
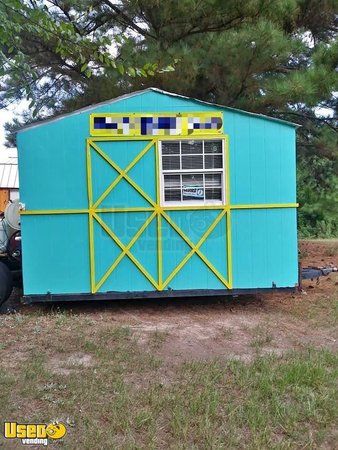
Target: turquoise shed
x,y
156,194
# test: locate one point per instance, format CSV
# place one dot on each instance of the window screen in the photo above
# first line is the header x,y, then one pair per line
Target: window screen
x,y
192,171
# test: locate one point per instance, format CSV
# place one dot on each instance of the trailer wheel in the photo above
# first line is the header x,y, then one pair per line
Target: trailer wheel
x,y
6,283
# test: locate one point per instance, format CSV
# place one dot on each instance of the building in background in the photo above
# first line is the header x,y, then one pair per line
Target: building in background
x,y
9,177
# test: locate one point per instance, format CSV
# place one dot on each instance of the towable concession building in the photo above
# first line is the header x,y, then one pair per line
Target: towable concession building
x,y
156,194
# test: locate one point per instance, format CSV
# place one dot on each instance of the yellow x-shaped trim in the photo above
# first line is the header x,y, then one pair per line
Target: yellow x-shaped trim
x,y
157,211
195,249
125,251
122,173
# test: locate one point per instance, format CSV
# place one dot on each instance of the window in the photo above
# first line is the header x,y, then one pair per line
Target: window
x,y
192,172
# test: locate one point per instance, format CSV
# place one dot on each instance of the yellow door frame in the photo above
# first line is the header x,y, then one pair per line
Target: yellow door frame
x,y
158,211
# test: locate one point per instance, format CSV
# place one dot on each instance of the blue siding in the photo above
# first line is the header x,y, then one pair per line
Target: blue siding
x,y
262,160
55,254
264,248
52,164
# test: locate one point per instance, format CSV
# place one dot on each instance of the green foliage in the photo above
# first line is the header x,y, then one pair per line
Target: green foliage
x,y
48,48
276,57
317,194
317,178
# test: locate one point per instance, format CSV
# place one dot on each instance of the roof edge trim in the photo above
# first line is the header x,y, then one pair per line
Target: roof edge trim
x,y
161,91
240,111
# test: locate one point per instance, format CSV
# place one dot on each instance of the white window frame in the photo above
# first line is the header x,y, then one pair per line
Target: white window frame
x,y
222,171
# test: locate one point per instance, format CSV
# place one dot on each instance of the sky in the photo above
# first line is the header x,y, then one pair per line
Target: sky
x,y
6,115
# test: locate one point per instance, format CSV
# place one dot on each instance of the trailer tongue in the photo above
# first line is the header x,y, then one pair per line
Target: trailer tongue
x,y
311,273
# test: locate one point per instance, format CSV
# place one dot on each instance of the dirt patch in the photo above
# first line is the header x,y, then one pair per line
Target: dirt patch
x,y
61,365
237,332
318,252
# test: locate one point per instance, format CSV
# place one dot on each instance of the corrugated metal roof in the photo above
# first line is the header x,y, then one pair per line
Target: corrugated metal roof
x,y
9,177
172,94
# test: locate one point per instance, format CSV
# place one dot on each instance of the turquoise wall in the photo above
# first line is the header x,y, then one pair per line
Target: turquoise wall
x,y
52,165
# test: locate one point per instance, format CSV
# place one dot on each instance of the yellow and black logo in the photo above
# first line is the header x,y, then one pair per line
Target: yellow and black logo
x,y
34,433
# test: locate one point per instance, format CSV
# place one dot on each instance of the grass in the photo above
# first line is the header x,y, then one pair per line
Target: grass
x,y
261,336
124,398
113,390
157,339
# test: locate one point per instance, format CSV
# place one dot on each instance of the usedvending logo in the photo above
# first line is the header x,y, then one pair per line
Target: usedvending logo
x,y
193,191
34,433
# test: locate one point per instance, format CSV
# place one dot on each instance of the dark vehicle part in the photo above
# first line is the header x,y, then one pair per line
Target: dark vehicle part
x,y
6,283
13,250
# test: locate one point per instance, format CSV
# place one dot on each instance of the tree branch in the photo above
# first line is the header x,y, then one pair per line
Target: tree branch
x,y
325,120
127,20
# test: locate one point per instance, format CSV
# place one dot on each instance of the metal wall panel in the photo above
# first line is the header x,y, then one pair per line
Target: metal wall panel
x,y
264,248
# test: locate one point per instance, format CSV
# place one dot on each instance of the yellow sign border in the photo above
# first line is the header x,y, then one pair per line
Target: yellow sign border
x,y
135,134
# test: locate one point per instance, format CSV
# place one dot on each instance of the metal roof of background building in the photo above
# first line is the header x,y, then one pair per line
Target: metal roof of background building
x,y
9,177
